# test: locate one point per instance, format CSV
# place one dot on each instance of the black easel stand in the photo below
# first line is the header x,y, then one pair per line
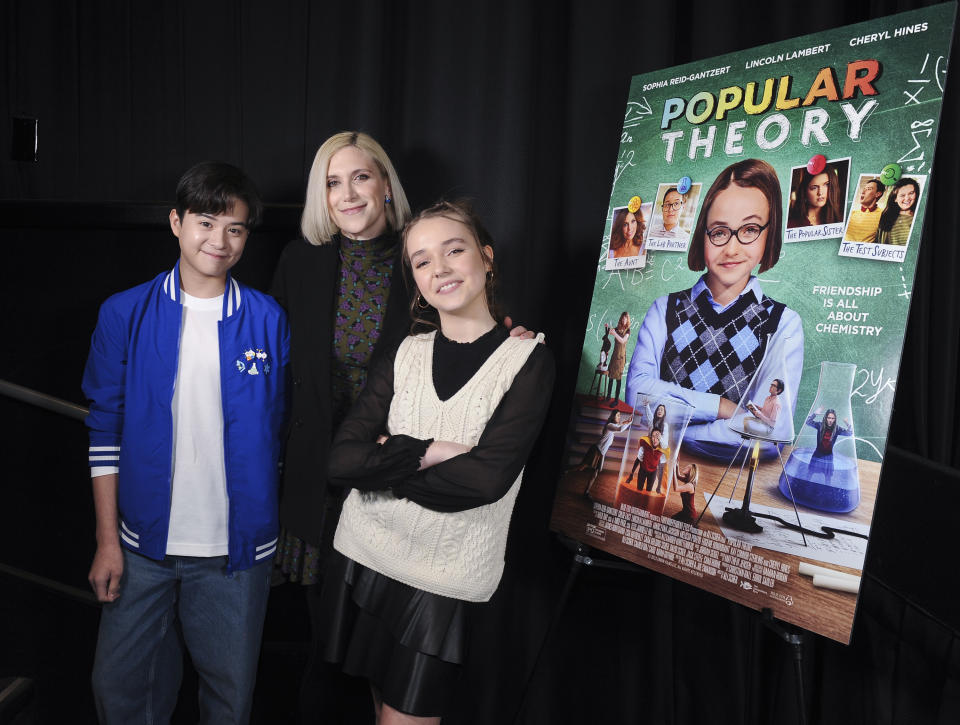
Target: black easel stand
x,y
581,558
795,639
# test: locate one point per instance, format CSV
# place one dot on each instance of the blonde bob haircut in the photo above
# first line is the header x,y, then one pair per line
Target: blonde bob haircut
x,y
316,224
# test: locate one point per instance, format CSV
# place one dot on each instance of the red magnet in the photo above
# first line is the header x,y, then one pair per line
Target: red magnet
x,y
817,164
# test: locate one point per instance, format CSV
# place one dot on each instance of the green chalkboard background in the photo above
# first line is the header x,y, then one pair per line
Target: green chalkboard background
x,y
901,129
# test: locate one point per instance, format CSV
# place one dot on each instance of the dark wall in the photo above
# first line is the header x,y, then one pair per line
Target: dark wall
x,y
509,102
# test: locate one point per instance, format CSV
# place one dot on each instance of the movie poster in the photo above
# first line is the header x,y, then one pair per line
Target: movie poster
x,y
753,282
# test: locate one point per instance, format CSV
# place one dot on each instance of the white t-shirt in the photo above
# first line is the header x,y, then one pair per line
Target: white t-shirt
x,y
199,504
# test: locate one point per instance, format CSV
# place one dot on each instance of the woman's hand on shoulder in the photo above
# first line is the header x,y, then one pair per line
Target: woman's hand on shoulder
x,y
518,330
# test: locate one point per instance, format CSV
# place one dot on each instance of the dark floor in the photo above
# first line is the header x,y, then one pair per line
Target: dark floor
x,y
50,639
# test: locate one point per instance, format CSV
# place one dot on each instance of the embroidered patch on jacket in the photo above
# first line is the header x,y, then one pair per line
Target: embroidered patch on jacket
x,y
253,361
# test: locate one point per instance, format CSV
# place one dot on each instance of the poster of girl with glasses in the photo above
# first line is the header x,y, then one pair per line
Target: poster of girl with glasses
x,y
703,345
744,321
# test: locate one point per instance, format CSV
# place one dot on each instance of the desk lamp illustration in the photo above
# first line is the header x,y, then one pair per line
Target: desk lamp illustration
x,y
822,471
764,417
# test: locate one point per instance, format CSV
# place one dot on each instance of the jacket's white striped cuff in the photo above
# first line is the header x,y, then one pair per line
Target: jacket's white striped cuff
x,y
104,455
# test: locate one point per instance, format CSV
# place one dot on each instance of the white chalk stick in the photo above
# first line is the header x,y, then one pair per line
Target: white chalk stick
x,y
813,570
840,585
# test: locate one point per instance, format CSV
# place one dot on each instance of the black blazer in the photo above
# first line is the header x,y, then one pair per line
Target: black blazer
x,y
305,284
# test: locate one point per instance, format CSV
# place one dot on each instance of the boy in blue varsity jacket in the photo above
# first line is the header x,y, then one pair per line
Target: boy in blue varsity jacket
x,y
186,382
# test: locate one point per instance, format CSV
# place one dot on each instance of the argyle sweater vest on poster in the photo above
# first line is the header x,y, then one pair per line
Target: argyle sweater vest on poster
x,y
717,352
457,554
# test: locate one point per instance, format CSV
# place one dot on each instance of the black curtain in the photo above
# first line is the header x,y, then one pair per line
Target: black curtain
x,y
517,105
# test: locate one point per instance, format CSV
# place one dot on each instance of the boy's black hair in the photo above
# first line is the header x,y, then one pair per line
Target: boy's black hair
x,y
211,187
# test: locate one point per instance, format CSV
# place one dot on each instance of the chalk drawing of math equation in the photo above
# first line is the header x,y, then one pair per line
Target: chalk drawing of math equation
x,y
635,113
920,90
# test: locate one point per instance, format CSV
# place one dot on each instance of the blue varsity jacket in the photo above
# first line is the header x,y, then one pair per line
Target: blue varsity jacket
x,y
129,380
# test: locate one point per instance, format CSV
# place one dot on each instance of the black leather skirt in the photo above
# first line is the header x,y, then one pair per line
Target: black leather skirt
x,y
409,643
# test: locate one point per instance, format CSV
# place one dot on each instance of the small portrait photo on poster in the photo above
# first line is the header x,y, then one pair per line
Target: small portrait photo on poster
x,y
672,218
881,223
817,202
627,234
869,199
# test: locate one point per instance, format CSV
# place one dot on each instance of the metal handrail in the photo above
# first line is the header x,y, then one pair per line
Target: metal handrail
x,y
70,410
42,400
79,595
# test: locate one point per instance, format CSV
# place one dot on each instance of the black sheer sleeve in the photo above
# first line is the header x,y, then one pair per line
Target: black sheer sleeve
x,y
356,459
486,472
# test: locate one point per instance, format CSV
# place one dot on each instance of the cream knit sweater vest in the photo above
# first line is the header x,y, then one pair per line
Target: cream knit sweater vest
x,y
458,554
